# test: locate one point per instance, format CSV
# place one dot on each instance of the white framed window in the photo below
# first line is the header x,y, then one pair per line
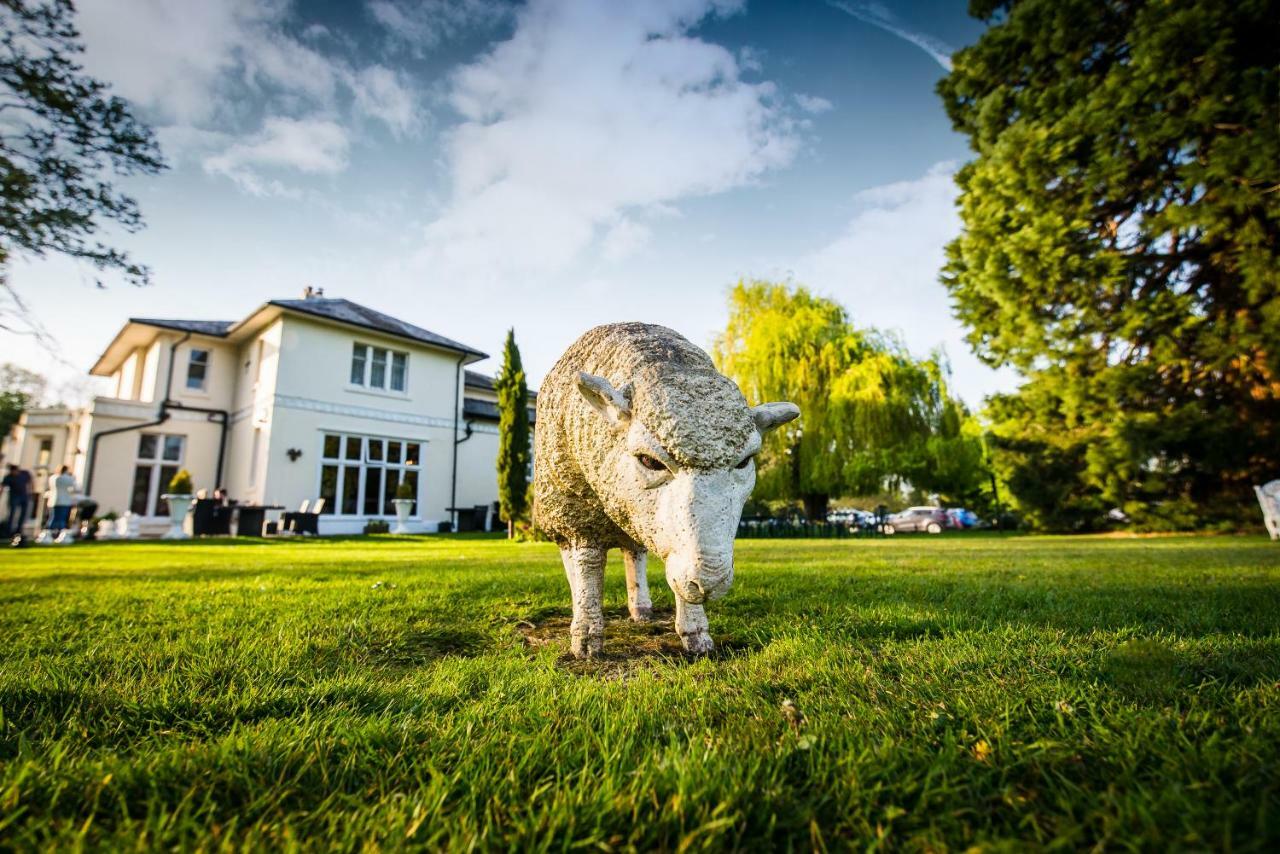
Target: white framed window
x,y
197,369
359,475
159,459
379,368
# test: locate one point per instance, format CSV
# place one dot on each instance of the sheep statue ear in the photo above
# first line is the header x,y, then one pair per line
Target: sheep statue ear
x,y
769,416
614,405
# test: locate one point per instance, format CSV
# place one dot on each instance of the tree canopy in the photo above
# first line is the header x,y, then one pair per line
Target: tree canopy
x,y
868,411
1121,247
19,389
513,435
62,138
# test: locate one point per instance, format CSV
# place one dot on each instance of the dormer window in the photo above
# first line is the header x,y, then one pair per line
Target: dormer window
x,y
379,368
197,370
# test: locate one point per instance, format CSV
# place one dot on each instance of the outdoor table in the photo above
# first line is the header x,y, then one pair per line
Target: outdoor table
x,y
247,519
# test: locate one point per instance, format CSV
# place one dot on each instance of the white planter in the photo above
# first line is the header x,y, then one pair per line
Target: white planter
x,y
179,507
404,506
107,529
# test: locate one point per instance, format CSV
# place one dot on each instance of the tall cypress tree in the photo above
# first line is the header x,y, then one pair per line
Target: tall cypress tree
x,y
513,435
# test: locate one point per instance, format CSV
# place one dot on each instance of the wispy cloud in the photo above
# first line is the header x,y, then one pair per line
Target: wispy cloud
x,y
878,16
194,69
593,114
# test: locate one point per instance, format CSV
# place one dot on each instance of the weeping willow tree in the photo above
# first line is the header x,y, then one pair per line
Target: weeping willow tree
x,y
870,415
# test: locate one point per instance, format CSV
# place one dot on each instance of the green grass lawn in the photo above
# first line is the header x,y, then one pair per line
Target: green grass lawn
x,y
947,692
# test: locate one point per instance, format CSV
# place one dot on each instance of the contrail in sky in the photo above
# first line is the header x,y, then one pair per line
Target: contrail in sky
x,y
878,16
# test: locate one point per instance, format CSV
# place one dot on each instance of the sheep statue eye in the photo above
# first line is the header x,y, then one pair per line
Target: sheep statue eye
x,y
746,461
650,463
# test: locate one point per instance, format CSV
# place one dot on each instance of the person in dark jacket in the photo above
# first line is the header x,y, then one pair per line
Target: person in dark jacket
x,y
17,485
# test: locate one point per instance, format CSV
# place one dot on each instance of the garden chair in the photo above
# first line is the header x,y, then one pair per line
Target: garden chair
x,y
1269,498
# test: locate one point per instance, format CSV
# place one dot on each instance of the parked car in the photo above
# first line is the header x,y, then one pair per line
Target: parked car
x,y
852,518
928,519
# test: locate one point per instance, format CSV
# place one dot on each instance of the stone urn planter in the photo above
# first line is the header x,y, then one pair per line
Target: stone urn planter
x,y
179,497
179,507
107,529
404,506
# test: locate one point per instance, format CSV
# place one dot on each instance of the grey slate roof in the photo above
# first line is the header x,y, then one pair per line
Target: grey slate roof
x,y
475,379
216,328
346,311
483,410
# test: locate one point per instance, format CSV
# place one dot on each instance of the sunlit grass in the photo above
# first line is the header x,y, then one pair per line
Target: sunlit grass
x,y
943,692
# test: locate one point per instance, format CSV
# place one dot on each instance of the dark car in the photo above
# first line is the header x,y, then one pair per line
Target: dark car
x,y
931,520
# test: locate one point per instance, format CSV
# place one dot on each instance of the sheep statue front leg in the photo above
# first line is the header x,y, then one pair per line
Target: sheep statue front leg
x,y
584,567
692,626
638,601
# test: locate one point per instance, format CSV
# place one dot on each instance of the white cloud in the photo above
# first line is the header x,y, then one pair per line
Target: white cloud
x,y
419,25
313,146
590,111
878,16
381,94
884,268
624,239
813,104
195,69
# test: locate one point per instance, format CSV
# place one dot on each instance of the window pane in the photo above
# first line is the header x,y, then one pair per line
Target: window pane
x,y
389,491
398,364
166,475
393,452
357,363
147,445
329,487
141,487
375,449
372,491
196,368
173,448
350,490
378,370
411,454
353,448
332,444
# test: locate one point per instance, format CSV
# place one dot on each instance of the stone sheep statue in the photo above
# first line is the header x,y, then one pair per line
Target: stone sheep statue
x,y
642,445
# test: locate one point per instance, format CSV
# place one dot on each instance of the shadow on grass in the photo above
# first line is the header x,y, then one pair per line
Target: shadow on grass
x,y
629,647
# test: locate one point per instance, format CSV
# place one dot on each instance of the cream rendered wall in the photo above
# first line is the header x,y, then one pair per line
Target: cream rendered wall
x,y
150,376
313,394
477,466
252,403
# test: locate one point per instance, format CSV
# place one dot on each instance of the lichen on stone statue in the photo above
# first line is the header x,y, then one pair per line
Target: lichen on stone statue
x,y
642,445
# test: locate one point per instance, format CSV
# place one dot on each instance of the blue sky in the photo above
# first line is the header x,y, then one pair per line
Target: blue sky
x,y
476,165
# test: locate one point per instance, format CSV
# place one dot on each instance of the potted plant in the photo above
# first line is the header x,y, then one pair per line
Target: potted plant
x,y
179,498
404,506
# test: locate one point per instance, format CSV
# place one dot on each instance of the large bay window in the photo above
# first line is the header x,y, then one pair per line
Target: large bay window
x,y
159,458
378,367
359,474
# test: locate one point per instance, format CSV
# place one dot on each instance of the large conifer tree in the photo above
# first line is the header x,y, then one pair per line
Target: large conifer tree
x,y
1121,247
513,436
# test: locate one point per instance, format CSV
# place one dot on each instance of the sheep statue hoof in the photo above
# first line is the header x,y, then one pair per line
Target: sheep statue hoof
x,y
642,445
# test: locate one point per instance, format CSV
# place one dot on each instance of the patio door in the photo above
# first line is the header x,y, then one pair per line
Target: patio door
x,y
159,459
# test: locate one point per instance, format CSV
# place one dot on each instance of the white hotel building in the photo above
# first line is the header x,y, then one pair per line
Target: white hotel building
x,y
303,399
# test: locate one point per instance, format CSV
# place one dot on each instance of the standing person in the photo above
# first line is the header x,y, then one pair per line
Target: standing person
x,y
17,483
60,492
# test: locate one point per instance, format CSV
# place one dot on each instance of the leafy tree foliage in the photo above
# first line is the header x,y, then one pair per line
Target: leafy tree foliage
x,y
62,136
19,389
513,436
869,413
1121,247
